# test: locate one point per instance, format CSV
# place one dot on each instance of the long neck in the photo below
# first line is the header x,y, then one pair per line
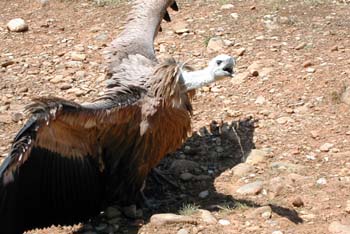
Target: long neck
x,y
197,79
143,25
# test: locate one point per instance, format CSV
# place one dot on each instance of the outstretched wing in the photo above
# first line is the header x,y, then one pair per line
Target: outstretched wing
x,y
54,172
140,30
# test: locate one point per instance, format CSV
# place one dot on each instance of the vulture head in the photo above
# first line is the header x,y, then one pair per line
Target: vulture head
x,y
222,66
218,68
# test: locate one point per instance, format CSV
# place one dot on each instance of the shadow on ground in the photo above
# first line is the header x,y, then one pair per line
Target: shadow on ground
x,y
203,158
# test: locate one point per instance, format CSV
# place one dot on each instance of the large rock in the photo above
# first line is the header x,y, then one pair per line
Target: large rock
x,y
17,25
251,188
215,44
256,156
242,169
168,218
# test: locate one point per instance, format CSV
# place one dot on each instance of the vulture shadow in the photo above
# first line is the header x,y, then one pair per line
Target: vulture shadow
x,y
202,162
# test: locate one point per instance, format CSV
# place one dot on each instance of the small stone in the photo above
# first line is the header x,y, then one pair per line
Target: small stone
x,y
227,7
300,46
23,90
66,86
297,202
334,48
347,207
168,218
321,181
224,222
234,16
182,231
18,116
239,52
57,79
181,28
277,232
203,194
215,44
314,134
5,119
256,156
307,63
7,63
258,212
284,120
345,97
75,56
251,188
326,147
186,176
242,169
207,217
260,100
17,25
338,228
310,70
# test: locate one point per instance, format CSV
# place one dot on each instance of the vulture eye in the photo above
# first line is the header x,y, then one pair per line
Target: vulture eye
x,y
218,62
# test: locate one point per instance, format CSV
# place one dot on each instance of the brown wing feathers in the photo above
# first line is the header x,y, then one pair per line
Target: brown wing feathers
x,y
68,160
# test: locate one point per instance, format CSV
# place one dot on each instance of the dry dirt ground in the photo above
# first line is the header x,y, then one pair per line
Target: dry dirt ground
x,y
287,102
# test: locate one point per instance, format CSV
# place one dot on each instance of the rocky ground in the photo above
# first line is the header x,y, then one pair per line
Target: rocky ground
x,y
270,151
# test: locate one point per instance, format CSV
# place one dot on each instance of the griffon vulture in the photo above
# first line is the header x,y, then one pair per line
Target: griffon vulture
x,y
70,160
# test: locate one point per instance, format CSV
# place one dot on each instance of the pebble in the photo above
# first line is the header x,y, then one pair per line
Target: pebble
x,y
17,25
239,52
251,188
300,46
297,202
264,211
307,63
284,120
224,222
345,97
326,147
168,218
277,232
310,70
321,181
23,90
256,156
227,7
57,79
16,117
186,176
347,207
203,194
242,169
182,231
66,86
334,48
215,44
75,56
338,228
260,100
234,16
207,217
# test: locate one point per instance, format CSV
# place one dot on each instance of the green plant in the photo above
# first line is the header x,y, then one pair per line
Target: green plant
x,y
188,209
